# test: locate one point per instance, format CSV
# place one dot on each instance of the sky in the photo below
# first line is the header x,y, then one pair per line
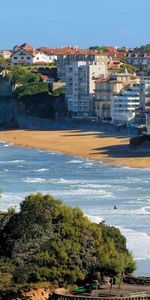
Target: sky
x,y
84,23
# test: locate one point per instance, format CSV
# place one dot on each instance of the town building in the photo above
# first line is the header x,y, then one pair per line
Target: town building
x,y
79,71
104,91
26,55
144,109
124,106
51,54
6,54
145,93
127,78
139,58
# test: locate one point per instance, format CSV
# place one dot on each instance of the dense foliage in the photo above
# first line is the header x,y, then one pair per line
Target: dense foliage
x,y
32,88
126,67
144,47
26,82
22,75
50,241
99,48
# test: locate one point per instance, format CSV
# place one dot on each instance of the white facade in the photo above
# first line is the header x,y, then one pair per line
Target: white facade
x,y
125,105
139,58
79,77
23,56
145,93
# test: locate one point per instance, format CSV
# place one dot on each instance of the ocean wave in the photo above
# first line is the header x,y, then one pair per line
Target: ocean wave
x,y
138,243
85,192
135,179
75,161
134,169
8,145
11,200
42,170
33,180
12,161
49,152
95,219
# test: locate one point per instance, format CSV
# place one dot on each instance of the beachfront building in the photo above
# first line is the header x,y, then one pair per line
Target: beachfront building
x,y
144,108
26,55
79,71
125,105
106,88
145,93
104,91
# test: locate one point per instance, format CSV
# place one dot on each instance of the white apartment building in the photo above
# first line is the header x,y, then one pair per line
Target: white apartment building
x,y
124,106
145,93
79,73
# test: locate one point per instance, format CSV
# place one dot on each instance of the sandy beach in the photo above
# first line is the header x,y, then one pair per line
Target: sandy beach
x,y
105,146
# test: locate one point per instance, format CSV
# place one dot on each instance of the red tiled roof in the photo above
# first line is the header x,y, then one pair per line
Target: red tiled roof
x,y
44,76
26,46
110,48
40,63
69,51
30,52
72,51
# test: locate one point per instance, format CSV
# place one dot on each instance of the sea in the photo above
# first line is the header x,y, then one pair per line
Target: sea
x,y
120,196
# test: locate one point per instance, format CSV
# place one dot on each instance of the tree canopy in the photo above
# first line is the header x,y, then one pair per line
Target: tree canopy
x,y
31,89
144,47
50,241
99,48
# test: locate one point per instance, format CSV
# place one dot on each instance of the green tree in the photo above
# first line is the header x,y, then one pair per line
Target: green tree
x,y
50,241
99,48
22,75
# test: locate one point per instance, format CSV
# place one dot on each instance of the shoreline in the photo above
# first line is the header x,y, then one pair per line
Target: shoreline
x,y
105,146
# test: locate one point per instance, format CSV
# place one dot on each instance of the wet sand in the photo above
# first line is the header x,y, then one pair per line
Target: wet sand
x,y
105,146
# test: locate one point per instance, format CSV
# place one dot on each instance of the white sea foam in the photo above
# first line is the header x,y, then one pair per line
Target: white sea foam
x,y
8,145
136,179
33,180
42,170
2,142
138,169
50,152
89,164
75,161
95,219
11,200
85,192
138,243
12,161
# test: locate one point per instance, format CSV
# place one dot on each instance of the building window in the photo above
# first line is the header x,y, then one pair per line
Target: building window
x,y
28,57
37,58
22,57
15,57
